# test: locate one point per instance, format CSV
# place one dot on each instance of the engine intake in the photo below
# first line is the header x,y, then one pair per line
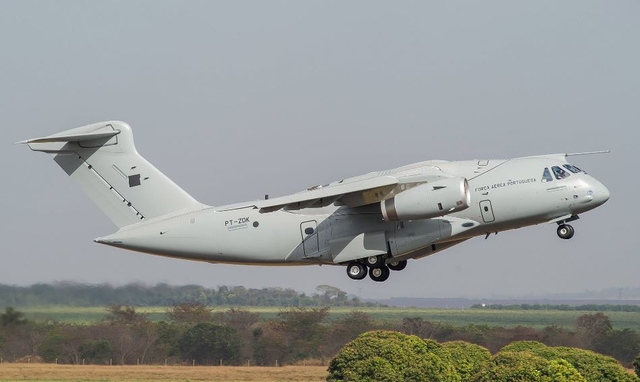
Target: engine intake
x,y
428,200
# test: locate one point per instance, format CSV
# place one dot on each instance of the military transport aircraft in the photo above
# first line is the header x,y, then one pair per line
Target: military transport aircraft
x,y
371,223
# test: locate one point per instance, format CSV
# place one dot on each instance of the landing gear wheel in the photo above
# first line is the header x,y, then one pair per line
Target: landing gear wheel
x,y
379,274
397,265
374,261
565,231
356,271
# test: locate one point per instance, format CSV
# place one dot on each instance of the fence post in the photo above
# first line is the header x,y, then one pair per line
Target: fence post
x,y
138,361
110,361
276,363
56,361
29,360
165,362
194,363
83,362
221,362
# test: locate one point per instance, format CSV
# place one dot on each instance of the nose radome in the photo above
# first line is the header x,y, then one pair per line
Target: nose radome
x,y
601,193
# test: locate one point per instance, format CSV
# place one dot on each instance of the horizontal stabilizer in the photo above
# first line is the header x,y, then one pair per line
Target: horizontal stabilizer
x,y
104,132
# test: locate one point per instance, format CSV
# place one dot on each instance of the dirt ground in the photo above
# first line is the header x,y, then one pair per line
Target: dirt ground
x,y
145,373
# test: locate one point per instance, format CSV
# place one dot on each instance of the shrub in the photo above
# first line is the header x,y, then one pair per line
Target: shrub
x,y
467,358
392,356
591,365
510,366
636,365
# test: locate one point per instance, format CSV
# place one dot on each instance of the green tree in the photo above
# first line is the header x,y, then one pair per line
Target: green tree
x,y
622,345
332,295
12,317
304,329
207,343
189,313
125,315
392,356
467,358
98,351
592,329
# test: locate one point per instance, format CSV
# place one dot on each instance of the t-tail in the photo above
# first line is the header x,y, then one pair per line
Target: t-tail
x,y
103,160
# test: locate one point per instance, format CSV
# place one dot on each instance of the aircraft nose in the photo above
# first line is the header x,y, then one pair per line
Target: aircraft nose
x,y
600,193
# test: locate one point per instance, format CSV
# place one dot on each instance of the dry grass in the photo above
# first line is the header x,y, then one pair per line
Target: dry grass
x,y
144,373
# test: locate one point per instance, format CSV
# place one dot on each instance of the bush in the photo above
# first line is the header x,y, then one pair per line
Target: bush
x,y
467,358
392,356
636,365
530,346
510,366
592,366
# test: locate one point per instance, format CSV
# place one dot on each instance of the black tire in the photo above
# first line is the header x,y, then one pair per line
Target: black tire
x,y
356,271
565,231
374,261
397,265
379,274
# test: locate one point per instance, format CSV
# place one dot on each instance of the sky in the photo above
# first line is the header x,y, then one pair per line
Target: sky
x,y
234,100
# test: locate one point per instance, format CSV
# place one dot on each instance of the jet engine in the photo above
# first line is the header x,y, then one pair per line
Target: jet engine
x,y
428,200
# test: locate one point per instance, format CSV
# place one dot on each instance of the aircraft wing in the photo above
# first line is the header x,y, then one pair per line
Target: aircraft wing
x,y
353,194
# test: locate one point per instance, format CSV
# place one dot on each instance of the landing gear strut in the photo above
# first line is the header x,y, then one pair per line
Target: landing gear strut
x,y
565,231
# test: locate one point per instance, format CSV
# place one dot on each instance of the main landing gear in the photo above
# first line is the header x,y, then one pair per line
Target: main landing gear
x,y
377,269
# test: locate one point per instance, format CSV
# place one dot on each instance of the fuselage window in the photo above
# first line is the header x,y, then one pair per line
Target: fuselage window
x,y
546,175
572,168
559,173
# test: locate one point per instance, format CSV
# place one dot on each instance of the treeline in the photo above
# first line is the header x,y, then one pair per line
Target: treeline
x,y
83,295
194,333
563,307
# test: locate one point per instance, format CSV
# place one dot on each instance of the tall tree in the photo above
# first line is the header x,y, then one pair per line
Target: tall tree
x,y
207,344
189,313
12,317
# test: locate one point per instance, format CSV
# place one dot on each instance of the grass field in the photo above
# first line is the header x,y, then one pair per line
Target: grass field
x,y
48,372
458,317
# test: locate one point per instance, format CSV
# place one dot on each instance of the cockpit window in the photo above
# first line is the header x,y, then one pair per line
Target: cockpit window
x,y
572,168
546,175
559,173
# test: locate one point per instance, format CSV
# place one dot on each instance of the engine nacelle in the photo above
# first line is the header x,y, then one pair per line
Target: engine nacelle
x,y
428,200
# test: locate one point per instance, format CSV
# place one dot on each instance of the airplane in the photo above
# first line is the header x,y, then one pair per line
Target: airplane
x,y
371,224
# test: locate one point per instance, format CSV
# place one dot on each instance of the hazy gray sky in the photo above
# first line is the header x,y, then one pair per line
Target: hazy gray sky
x,y
234,100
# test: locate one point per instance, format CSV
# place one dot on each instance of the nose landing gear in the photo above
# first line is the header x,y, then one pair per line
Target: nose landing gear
x,y
565,231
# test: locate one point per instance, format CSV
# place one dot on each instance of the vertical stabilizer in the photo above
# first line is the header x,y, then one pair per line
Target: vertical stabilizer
x,y
103,160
